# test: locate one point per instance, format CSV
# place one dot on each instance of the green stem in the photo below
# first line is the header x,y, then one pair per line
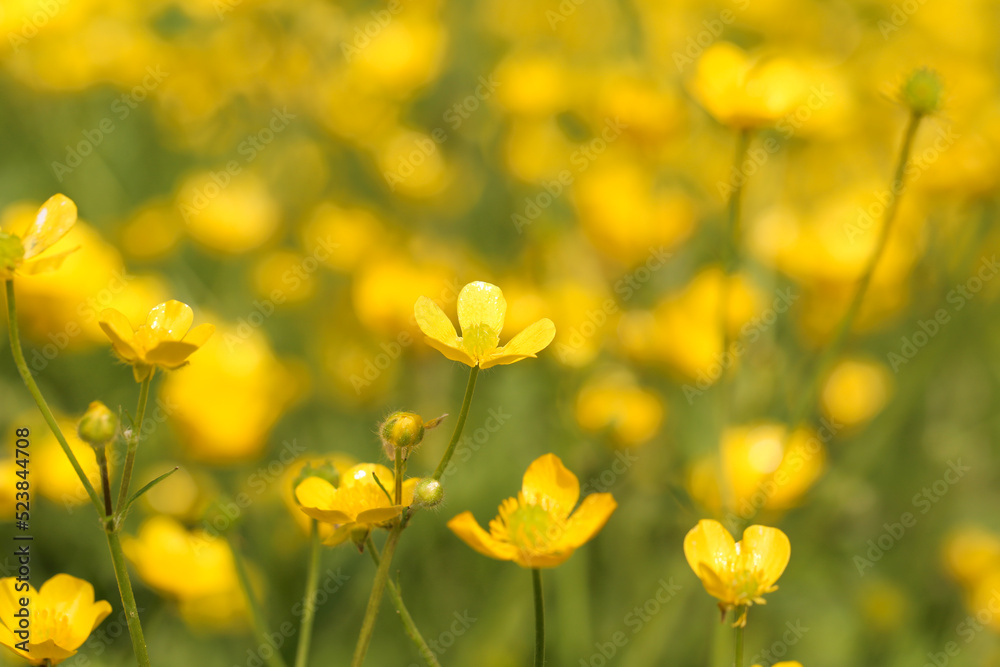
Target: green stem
x,y
29,382
409,626
398,476
738,658
128,599
102,463
309,600
375,599
829,355
256,616
536,578
133,441
460,424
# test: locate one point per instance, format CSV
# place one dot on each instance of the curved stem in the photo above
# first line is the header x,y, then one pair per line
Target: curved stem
x,y
309,599
460,424
536,578
375,599
256,616
128,599
738,658
133,442
29,382
102,463
409,626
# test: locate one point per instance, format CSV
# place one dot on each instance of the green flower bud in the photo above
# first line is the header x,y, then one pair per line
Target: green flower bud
x,y
428,493
98,425
923,91
401,430
11,252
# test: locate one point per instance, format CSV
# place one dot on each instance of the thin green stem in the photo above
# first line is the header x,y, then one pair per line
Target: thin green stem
x,y
128,599
460,424
807,399
409,626
29,382
536,579
309,600
375,599
738,658
133,441
398,476
256,615
102,463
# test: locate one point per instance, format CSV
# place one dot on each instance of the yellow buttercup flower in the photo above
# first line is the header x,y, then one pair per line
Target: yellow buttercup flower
x,y
19,253
358,504
165,340
481,313
63,614
737,573
538,528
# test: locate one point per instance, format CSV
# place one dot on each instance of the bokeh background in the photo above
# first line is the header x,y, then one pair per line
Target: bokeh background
x,y
300,171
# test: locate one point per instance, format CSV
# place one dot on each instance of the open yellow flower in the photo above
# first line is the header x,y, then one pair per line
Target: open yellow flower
x,y
358,504
481,313
165,340
538,528
63,614
19,253
737,573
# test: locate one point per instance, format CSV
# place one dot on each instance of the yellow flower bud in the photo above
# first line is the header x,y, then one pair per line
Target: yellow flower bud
x,y
428,493
923,91
98,425
401,430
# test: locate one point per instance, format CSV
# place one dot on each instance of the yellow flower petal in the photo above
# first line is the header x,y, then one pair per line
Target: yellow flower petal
x,y
378,514
171,354
440,332
46,264
533,339
119,330
453,353
55,217
464,525
546,560
170,320
315,492
200,334
589,518
73,597
481,312
547,482
771,550
9,597
709,543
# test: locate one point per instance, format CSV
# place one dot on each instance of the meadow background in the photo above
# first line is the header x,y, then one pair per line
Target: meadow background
x,y
301,171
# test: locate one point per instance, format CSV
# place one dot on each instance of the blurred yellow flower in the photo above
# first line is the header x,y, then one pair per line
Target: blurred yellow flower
x,y
60,483
359,503
737,573
614,404
228,210
855,391
194,568
539,528
785,663
19,253
970,553
63,613
166,340
744,92
481,313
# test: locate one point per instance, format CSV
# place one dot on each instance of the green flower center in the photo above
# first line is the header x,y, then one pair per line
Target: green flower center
x,y
746,584
480,339
531,528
